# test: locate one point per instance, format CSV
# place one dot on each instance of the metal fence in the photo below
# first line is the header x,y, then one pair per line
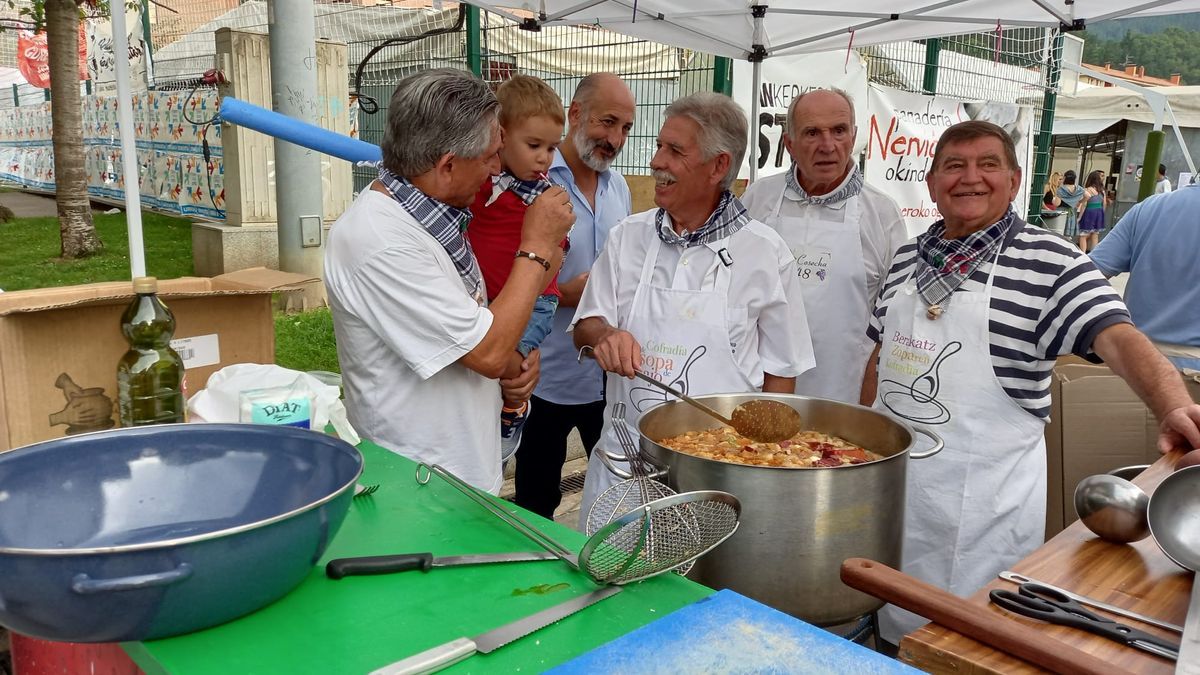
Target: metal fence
x,y
495,48
1024,71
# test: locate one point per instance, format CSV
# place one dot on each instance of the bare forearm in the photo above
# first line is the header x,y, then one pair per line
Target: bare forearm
x,y
589,331
1132,356
496,355
775,384
572,290
870,384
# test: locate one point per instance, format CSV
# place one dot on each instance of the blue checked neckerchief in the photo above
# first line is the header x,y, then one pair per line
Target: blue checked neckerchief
x,y
850,187
446,223
944,264
526,190
729,217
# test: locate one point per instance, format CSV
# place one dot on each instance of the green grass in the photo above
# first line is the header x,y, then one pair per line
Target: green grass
x,y
304,341
29,256
29,259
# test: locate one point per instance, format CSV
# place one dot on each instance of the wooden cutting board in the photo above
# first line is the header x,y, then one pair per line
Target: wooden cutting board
x,y
730,633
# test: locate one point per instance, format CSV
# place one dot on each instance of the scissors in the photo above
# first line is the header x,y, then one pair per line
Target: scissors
x,y
1039,602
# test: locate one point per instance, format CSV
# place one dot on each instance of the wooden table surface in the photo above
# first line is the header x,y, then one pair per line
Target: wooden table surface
x,y
1137,576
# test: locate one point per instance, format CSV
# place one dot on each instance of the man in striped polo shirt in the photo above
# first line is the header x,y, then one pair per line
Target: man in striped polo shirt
x,y
969,321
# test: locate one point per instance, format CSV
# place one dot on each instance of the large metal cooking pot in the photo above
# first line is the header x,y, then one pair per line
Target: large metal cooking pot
x,y
798,525
141,533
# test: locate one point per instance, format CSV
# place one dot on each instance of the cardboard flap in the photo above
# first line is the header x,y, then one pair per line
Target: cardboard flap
x,y
244,282
262,279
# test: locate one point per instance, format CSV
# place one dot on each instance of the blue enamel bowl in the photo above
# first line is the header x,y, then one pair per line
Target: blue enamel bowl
x,y
142,533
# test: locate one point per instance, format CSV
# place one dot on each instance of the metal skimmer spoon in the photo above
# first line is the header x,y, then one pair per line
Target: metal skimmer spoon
x,y
760,420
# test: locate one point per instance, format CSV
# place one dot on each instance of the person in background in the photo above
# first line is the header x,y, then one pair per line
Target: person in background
x,y
1091,211
1163,184
1156,243
841,230
1070,195
531,120
1051,200
971,318
570,393
420,346
694,293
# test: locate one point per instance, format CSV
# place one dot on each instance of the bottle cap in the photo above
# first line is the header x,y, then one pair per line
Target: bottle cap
x,y
145,285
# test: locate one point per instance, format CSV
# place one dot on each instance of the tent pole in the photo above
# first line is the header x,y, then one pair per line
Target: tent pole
x,y
754,123
129,159
1045,137
758,52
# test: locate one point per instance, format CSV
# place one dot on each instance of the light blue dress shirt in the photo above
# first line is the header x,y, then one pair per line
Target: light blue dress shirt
x,y
563,379
1157,242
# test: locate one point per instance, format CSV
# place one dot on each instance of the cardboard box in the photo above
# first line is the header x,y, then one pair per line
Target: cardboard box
x,y
61,345
1097,424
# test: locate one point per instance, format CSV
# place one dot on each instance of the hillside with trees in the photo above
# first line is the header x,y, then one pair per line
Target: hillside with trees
x,y
1163,44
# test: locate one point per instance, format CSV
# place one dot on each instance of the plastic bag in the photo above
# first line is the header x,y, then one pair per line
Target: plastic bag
x,y
263,385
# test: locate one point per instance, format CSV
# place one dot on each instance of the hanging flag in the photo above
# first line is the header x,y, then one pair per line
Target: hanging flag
x,y
33,57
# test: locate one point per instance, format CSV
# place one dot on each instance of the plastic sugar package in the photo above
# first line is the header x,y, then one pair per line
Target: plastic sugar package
x,y
269,394
291,406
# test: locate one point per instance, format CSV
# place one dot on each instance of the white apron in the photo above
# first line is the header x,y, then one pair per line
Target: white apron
x,y
978,506
685,341
833,282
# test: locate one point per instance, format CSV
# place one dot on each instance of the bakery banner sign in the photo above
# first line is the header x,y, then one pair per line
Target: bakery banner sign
x,y
902,133
102,61
783,78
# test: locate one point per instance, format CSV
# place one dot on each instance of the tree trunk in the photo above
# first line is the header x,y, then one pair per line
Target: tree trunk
x,y
66,114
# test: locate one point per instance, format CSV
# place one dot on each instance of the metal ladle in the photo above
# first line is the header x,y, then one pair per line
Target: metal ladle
x,y
1113,508
761,420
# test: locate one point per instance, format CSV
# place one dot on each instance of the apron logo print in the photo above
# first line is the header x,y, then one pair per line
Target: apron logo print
x,y
917,402
643,398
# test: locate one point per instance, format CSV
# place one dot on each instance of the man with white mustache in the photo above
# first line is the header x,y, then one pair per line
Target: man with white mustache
x,y
570,395
694,293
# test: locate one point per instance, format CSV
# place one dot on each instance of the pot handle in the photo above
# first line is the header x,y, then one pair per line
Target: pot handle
x,y
937,444
85,585
610,461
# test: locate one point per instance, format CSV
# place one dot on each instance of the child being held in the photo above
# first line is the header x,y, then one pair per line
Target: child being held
x,y
531,116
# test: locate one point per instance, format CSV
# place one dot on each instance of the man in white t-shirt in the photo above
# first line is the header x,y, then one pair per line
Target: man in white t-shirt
x,y
1163,184
694,293
419,346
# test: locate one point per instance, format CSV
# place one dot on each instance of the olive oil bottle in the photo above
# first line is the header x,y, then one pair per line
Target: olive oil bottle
x,y
150,375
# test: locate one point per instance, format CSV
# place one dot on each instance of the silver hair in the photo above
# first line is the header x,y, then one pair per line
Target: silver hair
x,y
723,127
437,112
791,113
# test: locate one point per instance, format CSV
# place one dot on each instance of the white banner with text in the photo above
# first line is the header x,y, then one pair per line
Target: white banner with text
x,y
902,134
783,79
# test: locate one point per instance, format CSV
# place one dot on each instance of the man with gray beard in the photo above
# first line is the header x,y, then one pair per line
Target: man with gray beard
x,y
694,293
570,395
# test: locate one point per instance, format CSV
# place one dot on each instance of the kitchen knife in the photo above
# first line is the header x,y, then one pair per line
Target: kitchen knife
x,y
386,564
433,660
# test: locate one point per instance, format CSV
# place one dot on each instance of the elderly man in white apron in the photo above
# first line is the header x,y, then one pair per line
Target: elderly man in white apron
x,y
971,317
842,231
695,292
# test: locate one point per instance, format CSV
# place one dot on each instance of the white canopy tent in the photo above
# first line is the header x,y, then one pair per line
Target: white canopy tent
x,y
757,29
741,29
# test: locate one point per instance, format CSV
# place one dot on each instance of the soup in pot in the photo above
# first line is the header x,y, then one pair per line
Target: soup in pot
x,y
807,449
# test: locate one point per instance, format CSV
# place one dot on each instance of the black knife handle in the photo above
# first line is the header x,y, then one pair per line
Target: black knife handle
x,y
378,564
